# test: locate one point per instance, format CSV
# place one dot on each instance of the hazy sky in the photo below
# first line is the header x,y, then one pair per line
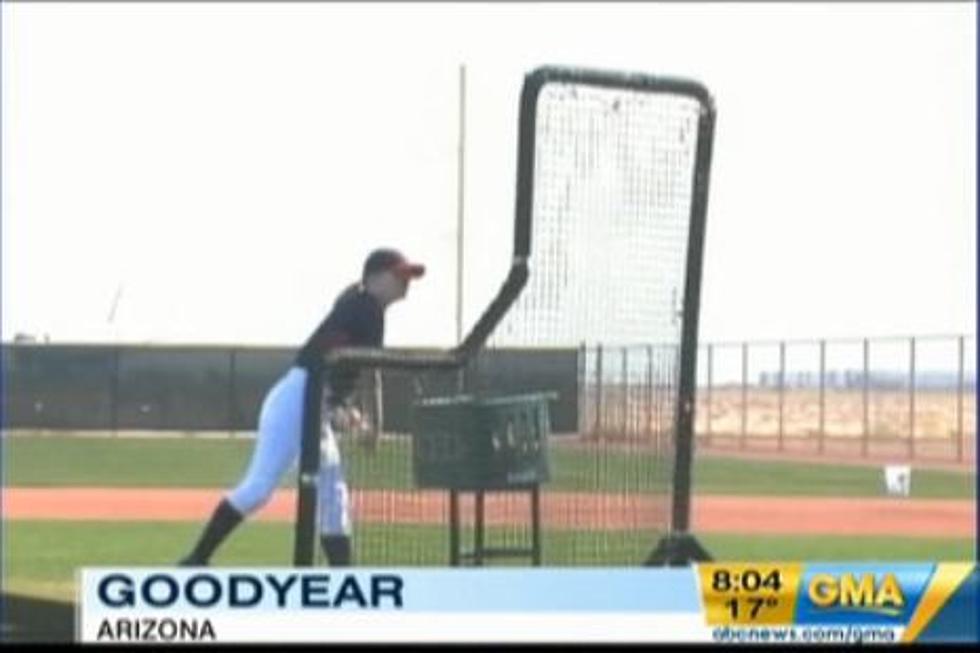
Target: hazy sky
x,y
228,166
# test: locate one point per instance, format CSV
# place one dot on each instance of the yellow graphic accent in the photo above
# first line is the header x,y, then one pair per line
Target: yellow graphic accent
x,y
749,593
945,581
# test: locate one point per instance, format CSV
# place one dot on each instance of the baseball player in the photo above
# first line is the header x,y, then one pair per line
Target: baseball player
x,y
356,320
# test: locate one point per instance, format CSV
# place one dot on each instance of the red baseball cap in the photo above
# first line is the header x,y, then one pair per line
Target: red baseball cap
x,y
392,259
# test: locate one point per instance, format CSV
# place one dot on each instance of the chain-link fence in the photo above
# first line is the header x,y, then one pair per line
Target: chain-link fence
x,y
132,388
910,397
213,389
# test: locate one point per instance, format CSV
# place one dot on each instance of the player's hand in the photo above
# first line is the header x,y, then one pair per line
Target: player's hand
x,y
348,419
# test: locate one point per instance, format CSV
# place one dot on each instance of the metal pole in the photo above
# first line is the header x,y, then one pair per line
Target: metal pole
x,y
782,376
116,354
626,394
232,408
536,525
912,397
460,218
582,383
866,385
478,547
959,404
116,300
745,381
683,433
379,406
822,433
454,529
711,367
598,392
650,399
309,470
460,196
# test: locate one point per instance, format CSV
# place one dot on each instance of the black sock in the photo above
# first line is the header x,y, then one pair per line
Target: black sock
x,y
337,550
223,521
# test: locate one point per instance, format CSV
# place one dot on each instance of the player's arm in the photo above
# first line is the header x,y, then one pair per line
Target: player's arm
x,y
342,330
357,324
367,330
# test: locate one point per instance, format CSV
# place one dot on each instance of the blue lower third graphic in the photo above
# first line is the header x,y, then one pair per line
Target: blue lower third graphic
x,y
403,590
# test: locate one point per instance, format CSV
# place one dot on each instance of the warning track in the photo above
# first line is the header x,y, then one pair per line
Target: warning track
x,y
941,518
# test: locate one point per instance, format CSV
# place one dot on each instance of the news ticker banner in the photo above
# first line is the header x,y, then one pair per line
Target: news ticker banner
x,y
745,602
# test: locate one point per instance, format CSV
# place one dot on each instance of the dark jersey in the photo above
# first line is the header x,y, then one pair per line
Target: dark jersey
x,y
356,320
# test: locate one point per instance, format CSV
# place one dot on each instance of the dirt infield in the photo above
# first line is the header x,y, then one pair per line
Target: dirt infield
x,y
711,514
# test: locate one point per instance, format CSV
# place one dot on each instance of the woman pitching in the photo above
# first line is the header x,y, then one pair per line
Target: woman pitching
x,y
356,320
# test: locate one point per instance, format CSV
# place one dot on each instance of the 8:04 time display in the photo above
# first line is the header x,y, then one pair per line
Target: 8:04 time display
x,y
749,593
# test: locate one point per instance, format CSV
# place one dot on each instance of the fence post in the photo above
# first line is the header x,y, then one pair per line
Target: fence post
x,y
114,389
912,397
782,385
625,427
866,385
580,383
822,432
598,392
745,379
461,380
707,415
650,395
377,425
959,405
232,387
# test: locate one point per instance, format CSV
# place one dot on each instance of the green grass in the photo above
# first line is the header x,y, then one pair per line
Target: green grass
x,y
41,558
776,478
65,461
190,462
60,461
816,548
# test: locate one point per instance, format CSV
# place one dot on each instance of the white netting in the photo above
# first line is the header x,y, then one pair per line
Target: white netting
x,y
612,203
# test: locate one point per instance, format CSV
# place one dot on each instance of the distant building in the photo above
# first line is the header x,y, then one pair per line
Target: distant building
x,y
851,379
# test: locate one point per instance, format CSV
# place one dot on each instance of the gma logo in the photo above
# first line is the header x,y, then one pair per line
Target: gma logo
x,y
863,593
